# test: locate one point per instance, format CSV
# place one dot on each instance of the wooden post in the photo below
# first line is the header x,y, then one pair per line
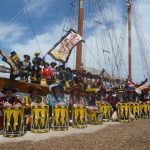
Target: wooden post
x,y
129,41
80,31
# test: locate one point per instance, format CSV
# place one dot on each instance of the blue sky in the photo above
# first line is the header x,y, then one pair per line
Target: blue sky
x,y
42,13
48,19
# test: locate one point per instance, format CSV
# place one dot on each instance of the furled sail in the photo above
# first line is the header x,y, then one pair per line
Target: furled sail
x,y
4,69
9,61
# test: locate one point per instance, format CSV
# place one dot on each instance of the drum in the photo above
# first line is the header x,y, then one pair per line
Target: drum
x,y
1,122
135,109
40,119
60,118
144,110
79,116
123,112
148,109
13,122
94,116
105,110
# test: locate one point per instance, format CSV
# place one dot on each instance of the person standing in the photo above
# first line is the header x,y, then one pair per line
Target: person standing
x,y
36,73
47,73
38,60
25,67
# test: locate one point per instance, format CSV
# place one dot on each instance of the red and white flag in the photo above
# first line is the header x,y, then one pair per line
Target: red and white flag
x,y
131,84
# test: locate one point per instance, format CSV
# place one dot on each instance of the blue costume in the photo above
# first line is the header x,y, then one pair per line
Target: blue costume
x,y
52,100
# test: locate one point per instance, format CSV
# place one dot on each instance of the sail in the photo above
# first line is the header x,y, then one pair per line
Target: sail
x,y
63,48
4,69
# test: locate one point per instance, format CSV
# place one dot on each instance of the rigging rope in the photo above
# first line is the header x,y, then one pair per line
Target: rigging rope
x,y
70,22
11,22
92,55
98,35
32,28
141,40
102,32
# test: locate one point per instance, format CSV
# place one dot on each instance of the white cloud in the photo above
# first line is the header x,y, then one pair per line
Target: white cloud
x,y
11,34
12,31
46,40
38,7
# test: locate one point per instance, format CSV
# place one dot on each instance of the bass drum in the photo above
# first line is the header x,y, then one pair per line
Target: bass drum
x,y
13,122
60,118
123,112
40,119
79,116
135,110
94,116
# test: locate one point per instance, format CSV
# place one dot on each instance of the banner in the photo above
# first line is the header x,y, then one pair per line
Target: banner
x,y
62,49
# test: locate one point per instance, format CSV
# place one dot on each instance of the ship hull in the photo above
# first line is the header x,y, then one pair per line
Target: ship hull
x,y
23,86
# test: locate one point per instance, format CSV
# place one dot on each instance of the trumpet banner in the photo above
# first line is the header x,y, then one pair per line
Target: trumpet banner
x,y
63,48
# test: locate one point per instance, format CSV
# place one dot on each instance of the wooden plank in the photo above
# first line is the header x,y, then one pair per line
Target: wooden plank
x,y
23,86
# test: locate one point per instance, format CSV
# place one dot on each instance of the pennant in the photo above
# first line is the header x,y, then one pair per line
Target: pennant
x,y
62,49
141,88
131,84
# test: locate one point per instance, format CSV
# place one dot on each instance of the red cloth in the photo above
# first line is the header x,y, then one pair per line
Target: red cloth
x,y
13,101
47,73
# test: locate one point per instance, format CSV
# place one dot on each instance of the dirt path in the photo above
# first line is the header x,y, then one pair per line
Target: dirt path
x,y
126,136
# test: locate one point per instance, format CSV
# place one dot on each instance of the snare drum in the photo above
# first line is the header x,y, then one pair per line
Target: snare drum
x,y
13,122
60,118
94,116
123,112
144,110
79,116
40,119
105,110
135,109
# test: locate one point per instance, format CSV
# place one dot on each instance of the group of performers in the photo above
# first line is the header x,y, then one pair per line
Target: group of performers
x,y
75,98
62,107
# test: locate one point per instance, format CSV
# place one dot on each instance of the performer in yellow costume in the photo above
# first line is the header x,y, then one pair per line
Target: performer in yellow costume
x,y
28,101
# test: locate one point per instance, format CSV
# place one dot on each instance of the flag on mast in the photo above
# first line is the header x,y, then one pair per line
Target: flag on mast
x,y
63,48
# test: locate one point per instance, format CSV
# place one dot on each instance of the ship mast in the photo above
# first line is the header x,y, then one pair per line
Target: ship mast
x,y
80,31
129,42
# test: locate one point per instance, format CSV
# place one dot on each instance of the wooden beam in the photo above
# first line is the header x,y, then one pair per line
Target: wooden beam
x,y
80,31
129,42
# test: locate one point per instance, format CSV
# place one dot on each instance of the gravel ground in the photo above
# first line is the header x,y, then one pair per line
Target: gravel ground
x,y
125,136
44,136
